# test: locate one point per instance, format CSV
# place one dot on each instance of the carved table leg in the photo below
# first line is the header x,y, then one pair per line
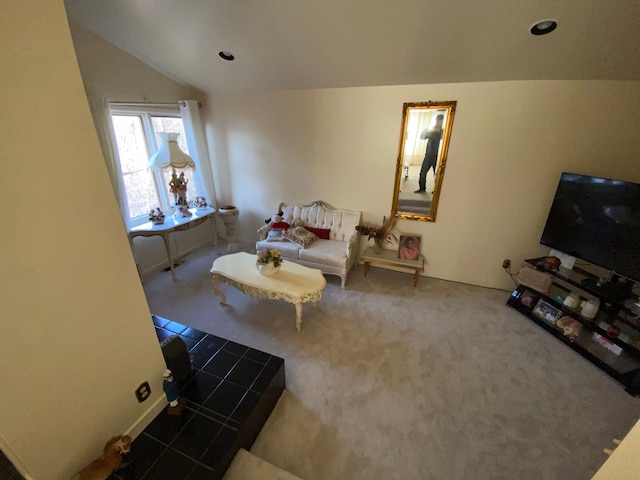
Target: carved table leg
x,y
218,291
165,239
298,316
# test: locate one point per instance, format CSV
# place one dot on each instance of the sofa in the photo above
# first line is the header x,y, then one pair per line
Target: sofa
x,y
335,246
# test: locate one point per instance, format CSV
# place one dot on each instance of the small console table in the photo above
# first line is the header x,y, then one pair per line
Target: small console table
x,y
390,257
173,224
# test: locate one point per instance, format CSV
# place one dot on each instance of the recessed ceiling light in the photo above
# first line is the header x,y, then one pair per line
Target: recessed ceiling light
x,y
543,27
226,55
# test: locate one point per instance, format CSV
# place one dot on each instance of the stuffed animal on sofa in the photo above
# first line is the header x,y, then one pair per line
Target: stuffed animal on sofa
x,y
276,228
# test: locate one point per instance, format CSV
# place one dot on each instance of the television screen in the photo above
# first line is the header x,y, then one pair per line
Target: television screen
x,y
597,220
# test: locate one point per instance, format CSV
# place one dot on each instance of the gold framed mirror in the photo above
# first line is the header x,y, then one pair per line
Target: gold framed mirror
x,y
422,159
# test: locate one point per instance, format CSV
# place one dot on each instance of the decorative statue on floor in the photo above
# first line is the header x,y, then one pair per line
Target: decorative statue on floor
x,y
113,458
172,391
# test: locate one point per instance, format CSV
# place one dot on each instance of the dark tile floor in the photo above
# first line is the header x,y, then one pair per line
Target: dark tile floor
x,y
230,393
7,470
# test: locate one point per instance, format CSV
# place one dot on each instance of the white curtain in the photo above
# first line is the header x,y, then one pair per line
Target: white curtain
x,y
104,128
419,120
197,145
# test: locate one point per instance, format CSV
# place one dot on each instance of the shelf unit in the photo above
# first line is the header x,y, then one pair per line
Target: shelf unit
x,y
610,340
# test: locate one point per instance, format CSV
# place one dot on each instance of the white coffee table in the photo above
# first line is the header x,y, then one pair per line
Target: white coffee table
x,y
293,283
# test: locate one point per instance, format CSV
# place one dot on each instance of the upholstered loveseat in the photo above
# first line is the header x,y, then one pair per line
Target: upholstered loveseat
x,y
335,249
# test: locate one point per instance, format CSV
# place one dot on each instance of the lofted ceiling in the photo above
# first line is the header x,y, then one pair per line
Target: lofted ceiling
x,y
302,44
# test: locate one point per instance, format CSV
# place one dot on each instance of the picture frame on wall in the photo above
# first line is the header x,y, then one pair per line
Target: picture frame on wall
x,y
409,247
547,312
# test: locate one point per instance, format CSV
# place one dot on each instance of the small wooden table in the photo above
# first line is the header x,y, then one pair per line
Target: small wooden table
x,y
293,283
390,257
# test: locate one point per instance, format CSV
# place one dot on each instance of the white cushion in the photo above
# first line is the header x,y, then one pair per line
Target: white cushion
x,y
326,252
287,249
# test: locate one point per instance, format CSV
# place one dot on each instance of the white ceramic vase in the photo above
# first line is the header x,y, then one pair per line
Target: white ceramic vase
x,y
267,268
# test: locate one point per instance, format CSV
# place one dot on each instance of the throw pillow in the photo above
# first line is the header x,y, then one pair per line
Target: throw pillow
x,y
300,236
280,226
323,233
275,235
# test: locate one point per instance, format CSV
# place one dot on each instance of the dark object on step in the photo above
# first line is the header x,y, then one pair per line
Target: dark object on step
x,y
176,356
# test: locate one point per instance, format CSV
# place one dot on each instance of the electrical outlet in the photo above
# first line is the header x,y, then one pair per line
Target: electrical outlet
x,y
143,392
506,263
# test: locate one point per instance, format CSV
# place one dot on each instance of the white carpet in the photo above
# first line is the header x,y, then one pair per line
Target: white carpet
x,y
386,381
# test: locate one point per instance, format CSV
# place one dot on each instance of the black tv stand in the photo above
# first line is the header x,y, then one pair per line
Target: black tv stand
x,y
610,340
613,290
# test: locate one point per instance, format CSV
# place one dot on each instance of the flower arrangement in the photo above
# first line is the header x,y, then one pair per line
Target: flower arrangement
x,y
269,256
380,234
156,216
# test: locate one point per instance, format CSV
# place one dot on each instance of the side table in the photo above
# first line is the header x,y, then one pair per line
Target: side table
x,y
390,257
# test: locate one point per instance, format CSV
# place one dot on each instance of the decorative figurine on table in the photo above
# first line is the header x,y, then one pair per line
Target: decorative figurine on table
x,y
201,203
172,391
178,188
156,216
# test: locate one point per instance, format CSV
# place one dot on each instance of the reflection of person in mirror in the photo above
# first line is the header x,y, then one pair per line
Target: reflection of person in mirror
x,y
433,137
409,249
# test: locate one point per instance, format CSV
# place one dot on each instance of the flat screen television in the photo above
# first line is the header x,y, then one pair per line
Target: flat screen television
x,y
597,220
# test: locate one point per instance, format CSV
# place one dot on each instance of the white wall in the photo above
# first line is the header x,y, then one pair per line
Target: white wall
x,y
77,334
509,144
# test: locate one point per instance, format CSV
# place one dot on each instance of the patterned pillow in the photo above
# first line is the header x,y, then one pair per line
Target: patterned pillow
x,y
300,236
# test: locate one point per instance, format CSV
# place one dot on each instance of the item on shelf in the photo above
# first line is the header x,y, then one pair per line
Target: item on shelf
x,y
613,331
549,263
570,327
572,300
608,344
547,312
589,308
530,277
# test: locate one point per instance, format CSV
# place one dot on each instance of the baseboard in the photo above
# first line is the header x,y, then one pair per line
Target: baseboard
x,y
147,417
178,256
14,458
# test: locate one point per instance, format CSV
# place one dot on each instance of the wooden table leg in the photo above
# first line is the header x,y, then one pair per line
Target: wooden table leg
x,y
218,291
415,279
298,316
366,267
165,238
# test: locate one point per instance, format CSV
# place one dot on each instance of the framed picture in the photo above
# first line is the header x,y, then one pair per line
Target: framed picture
x,y
409,247
547,312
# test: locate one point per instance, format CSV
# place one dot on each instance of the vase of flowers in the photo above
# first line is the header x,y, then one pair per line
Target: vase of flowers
x,y
380,235
269,261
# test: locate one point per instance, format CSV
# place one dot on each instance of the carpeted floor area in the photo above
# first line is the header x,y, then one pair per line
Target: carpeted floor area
x,y
387,381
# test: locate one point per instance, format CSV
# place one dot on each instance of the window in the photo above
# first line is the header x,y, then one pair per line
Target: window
x,y
137,139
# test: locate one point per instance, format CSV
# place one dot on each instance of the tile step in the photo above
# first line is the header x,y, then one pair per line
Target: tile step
x,y
247,466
